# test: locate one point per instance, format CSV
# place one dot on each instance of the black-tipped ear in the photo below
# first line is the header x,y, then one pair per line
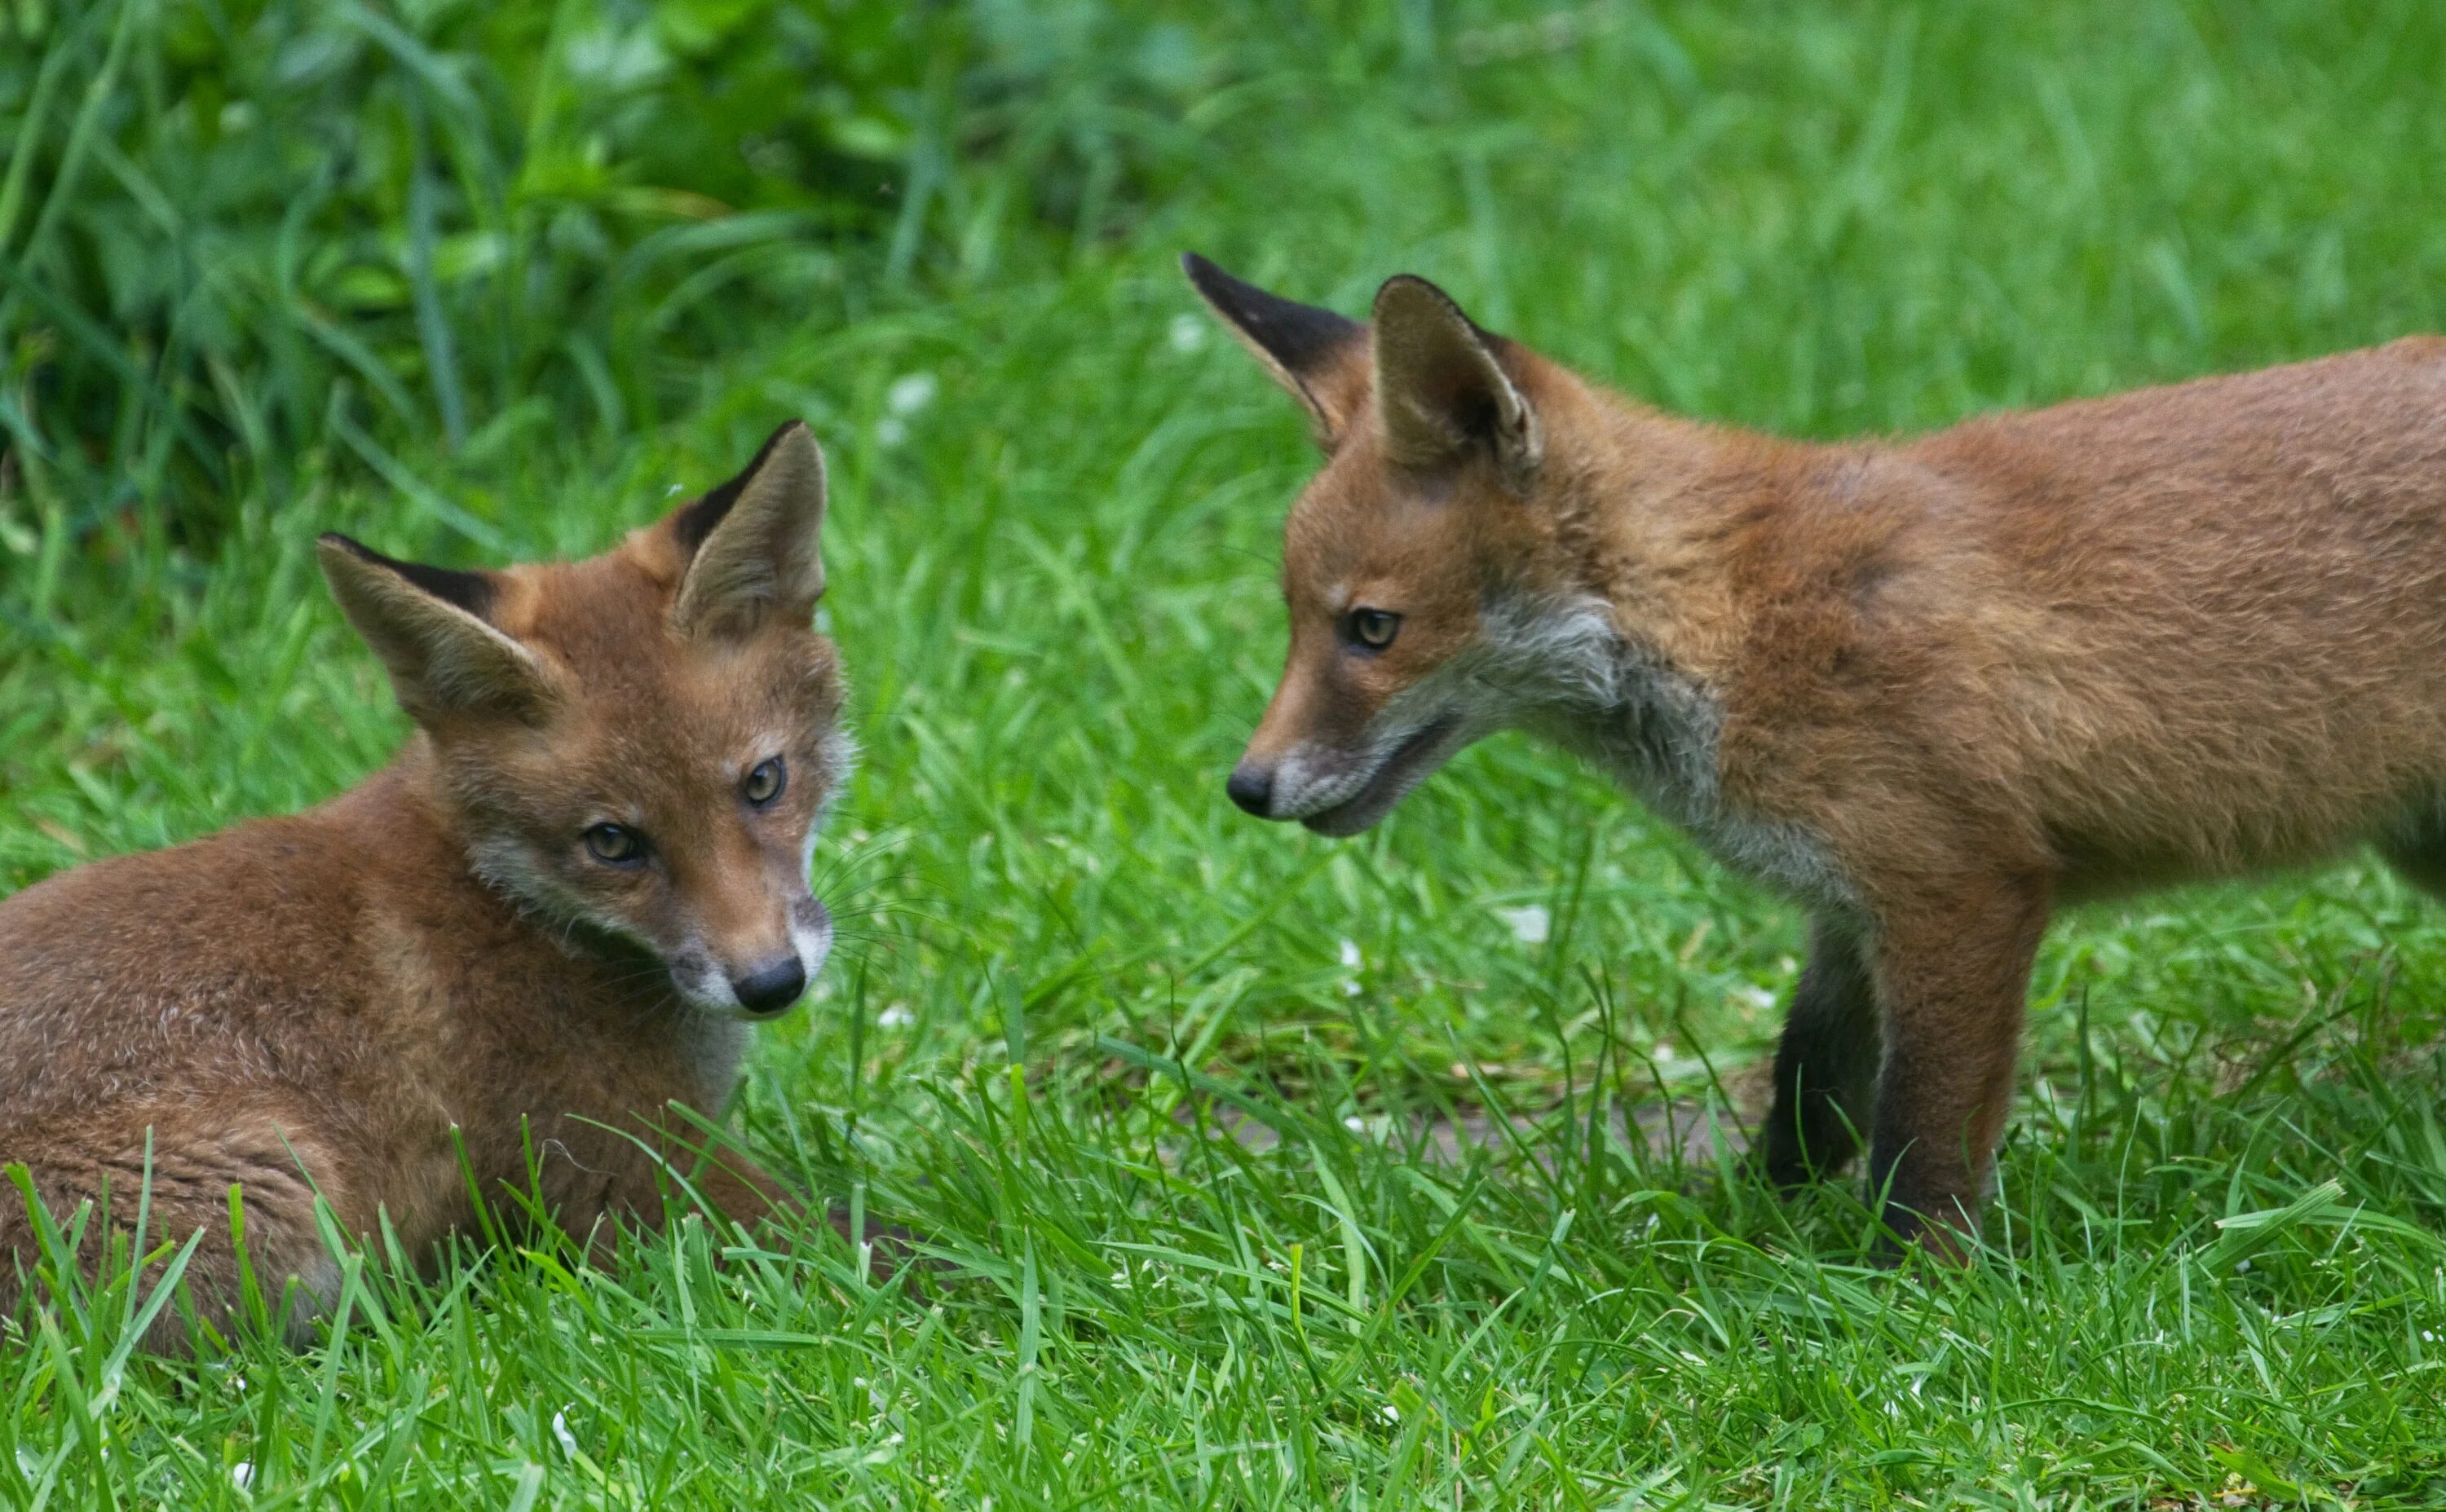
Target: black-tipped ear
x,y
752,542
1309,351
1441,388
430,627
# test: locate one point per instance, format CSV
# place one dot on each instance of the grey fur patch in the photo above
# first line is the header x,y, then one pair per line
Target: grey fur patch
x,y
1568,674
715,1045
1557,666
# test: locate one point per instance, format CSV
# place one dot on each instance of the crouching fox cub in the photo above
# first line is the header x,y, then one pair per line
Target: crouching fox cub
x,y
547,922
1931,689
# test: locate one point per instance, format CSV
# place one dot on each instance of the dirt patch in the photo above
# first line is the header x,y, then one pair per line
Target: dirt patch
x,y
1697,1129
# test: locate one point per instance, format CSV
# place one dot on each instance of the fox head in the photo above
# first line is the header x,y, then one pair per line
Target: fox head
x,y
1425,566
640,745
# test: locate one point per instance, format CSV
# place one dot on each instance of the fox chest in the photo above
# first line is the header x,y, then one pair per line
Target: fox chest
x,y
1660,739
561,1057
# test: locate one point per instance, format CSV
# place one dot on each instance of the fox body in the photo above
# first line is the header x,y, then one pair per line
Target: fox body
x,y
1933,689
532,934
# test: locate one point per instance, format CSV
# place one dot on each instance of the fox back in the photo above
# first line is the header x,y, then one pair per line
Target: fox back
x,y
538,930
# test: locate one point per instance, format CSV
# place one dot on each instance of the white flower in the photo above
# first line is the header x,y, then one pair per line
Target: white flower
x,y
1529,924
1350,956
560,1431
909,393
1188,333
242,1474
1665,1052
1392,1413
895,1017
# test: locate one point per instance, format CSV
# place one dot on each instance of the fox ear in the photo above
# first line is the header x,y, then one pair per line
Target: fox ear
x,y
1441,388
1311,352
430,627
752,543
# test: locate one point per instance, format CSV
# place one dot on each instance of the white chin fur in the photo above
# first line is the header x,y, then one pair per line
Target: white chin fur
x,y
1362,804
815,946
707,991
1341,824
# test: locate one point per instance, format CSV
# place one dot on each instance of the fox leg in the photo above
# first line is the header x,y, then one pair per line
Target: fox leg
x,y
1952,979
194,1164
736,1187
1826,1063
633,1178
592,1177
739,1189
2418,856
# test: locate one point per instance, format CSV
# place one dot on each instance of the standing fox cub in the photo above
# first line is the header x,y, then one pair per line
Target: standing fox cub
x,y
1931,689
547,922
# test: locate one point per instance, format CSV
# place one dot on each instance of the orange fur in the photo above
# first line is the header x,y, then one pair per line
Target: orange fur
x,y
337,1001
1934,688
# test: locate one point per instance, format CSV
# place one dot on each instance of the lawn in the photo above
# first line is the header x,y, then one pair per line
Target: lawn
x,y
1261,1170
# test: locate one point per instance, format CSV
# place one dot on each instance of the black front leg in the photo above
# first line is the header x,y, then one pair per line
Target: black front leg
x,y
1826,1065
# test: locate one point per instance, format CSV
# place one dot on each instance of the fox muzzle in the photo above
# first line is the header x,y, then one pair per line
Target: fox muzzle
x,y
1251,786
773,987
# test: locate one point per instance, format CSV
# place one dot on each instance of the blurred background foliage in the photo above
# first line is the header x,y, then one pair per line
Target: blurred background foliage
x,y
242,240
253,247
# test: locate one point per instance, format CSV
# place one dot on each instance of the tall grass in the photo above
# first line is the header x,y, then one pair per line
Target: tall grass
x,y
241,243
1272,1173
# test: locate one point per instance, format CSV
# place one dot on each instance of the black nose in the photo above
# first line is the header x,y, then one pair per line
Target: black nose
x,y
772,988
1252,788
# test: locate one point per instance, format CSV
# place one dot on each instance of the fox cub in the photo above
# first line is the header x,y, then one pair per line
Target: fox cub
x,y
1931,689
548,921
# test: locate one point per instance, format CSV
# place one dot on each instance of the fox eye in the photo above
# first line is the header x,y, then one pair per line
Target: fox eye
x,y
1374,629
616,845
764,784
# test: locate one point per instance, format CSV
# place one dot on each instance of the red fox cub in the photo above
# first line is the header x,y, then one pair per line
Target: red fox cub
x,y
1930,689
548,919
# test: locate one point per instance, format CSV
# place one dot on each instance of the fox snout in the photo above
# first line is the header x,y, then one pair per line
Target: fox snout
x,y
773,987
1251,786
1336,757
757,979
1304,783
1340,791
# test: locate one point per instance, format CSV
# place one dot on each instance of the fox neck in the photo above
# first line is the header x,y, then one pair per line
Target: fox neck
x,y
504,959
1619,653
1624,601
1655,516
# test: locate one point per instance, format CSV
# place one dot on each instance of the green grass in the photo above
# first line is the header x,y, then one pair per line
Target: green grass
x,y
1166,1089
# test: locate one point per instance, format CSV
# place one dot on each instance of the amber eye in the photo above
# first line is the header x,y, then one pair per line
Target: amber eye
x,y
616,845
766,783
1374,629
